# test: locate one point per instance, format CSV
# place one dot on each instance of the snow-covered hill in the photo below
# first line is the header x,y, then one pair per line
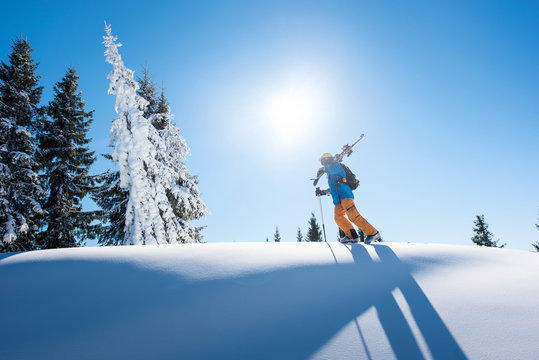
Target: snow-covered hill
x,y
270,301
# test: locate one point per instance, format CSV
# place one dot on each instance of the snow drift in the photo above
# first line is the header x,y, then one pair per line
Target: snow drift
x,y
270,301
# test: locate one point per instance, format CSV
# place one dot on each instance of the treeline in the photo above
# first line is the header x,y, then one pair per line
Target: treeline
x,y
45,162
482,235
44,158
314,233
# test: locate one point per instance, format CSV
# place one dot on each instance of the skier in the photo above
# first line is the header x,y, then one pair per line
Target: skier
x,y
343,199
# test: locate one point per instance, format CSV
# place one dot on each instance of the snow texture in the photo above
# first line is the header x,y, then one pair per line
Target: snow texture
x,y
271,301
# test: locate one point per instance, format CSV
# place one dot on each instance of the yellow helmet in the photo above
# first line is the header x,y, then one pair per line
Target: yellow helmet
x,y
326,156
326,159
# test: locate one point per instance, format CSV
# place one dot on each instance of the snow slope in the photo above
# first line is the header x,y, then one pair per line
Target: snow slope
x,y
270,301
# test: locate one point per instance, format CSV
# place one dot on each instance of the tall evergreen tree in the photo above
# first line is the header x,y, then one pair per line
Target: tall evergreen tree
x,y
483,237
21,191
144,158
277,235
314,233
111,198
172,150
66,160
299,236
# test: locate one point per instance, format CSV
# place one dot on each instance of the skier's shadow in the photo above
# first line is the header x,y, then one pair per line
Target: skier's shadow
x,y
289,313
438,338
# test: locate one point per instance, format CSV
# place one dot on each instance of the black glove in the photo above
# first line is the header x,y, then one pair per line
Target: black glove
x,y
321,192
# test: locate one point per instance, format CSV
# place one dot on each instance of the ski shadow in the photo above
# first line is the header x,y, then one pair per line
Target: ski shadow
x,y
291,313
439,340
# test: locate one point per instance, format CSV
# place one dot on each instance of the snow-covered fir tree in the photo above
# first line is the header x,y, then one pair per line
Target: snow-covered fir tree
x,y
66,159
21,191
299,235
148,91
110,197
483,236
150,165
314,233
277,235
180,186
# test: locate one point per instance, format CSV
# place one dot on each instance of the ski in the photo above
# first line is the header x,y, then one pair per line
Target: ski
x,y
346,151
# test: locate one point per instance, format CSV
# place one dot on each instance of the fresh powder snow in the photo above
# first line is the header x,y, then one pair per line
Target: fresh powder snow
x,y
270,301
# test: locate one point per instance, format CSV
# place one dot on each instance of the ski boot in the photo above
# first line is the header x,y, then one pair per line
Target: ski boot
x,y
346,240
371,238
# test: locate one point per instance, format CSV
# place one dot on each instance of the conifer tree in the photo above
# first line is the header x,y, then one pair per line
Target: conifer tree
x,y
172,150
483,237
536,244
66,159
277,235
299,236
112,199
314,233
148,92
158,191
21,191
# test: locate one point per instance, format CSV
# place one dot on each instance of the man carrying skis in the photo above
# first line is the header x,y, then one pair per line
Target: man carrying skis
x,y
343,199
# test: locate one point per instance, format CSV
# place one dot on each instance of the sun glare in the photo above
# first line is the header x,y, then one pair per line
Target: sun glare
x,y
294,111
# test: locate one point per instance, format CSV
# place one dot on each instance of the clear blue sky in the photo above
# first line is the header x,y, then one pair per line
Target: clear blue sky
x,y
447,94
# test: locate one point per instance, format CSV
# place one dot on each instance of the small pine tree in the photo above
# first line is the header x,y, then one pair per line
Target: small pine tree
x,y
483,237
21,191
314,233
147,91
299,235
66,160
277,235
536,244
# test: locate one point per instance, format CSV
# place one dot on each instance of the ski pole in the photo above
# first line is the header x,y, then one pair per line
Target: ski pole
x,y
322,216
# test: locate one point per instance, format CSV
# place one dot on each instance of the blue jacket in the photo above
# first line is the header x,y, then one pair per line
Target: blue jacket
x,y
338,190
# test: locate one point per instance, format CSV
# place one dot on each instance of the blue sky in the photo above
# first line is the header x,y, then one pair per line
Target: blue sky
x,y
445,92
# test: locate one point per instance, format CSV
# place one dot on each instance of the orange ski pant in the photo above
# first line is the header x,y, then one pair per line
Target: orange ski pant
x,y
347,206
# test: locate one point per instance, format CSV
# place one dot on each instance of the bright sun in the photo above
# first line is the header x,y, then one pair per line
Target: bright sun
x,y
294,111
